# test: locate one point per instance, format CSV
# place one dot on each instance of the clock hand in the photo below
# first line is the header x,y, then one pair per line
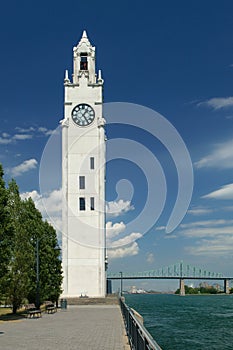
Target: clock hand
x,y
83,115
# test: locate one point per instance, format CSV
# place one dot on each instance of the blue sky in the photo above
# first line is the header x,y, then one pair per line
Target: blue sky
x,y
173,57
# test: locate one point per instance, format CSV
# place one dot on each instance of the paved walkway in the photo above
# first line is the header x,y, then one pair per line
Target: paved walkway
x,y
90,327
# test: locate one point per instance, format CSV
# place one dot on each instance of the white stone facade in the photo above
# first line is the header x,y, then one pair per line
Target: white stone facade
x,y
83,178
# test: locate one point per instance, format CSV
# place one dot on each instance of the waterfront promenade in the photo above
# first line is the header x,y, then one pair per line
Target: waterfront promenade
x,y
80,327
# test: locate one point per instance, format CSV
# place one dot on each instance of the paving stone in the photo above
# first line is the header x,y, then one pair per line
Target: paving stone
x,y
89,327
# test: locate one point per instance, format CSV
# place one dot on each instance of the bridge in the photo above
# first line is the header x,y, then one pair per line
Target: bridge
x,y
179,271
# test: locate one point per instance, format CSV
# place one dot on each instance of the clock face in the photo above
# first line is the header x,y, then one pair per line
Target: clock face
x,y
83,114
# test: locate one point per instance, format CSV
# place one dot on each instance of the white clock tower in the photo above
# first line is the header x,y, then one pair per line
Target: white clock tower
x,y
83,178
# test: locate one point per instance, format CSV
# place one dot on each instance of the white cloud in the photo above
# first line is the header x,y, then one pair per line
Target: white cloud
x,y
220,157
24,134
218,102
225,192
214,237
199,211
22,137
207,223
160,228
45,131
132,237
113,230
117,208
119,244
53,202
208,231
5,141
34,195
25,130
34,129
150,258
122,252
50,206
221,246
228,208
22,168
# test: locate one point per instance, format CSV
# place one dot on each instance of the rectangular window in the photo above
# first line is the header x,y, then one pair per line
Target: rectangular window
x,y
82,204
83,61
92,163
81,182
92,203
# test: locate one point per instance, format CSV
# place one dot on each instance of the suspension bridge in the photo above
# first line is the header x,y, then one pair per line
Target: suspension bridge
x,y
179,271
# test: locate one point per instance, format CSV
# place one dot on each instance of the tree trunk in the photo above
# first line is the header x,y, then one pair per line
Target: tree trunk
x,y
14,308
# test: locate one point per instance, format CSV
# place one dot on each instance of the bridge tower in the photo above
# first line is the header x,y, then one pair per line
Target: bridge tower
x,y
226,286
83,177
182,287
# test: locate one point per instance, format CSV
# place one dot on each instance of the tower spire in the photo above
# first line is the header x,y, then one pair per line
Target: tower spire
x,y
84,36
66,80
84,61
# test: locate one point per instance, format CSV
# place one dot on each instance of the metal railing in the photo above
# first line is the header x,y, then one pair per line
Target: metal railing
x,y
139,337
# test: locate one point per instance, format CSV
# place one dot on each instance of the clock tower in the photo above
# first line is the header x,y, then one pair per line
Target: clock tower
x,y
83,178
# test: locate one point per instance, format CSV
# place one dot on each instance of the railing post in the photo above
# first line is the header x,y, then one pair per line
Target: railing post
x,y
121,288
139,337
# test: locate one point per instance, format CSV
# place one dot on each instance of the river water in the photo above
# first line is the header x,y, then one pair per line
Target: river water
x,y
193,322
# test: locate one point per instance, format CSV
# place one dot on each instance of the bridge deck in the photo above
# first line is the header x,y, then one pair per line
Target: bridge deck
x,y
78,327
169,278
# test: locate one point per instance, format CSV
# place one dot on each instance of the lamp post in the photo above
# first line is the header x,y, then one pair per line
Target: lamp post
x,y
37,275
121,289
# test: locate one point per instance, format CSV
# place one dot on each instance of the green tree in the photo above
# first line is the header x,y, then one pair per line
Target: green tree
x,y
33,223
17,278
50,265
21,227
5,238
50,274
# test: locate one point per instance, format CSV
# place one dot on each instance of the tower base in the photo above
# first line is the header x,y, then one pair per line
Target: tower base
x,y
108,300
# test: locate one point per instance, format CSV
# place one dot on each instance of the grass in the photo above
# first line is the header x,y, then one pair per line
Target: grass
x,y
5,310
6,314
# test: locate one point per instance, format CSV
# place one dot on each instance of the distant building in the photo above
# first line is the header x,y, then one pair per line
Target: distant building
x,y
134,290
218,287
205,285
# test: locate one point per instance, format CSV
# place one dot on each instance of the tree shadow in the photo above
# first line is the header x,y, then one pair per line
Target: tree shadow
x,y
12,317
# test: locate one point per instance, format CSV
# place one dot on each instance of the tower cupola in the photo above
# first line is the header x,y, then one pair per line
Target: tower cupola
x,y
84,61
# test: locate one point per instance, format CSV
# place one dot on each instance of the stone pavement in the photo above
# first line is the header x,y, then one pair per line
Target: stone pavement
x,y
88,327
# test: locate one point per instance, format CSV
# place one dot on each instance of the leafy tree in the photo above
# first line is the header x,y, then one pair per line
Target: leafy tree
x,y
50,265
33,223
50,274
208,290
21,228
5,237
201,290
17,278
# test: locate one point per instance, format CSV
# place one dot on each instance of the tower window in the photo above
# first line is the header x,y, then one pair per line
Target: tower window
x,y
81,182
82,204
83,61
92,202
92,163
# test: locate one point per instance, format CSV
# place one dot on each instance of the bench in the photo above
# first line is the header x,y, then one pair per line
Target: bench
x,y
50,307
32,311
